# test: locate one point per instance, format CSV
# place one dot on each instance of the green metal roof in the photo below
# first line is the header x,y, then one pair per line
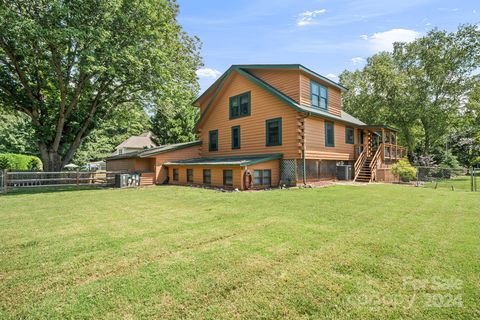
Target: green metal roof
x,y
226,161
168,148
127,155
153,151
380,126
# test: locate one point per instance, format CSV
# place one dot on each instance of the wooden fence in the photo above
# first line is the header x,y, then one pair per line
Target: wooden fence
x,y
22,179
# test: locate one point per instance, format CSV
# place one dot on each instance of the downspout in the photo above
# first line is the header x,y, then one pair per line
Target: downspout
x,y
303,152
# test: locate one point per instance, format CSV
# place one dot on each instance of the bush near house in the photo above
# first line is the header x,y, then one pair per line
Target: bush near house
x,y
404,170
13,161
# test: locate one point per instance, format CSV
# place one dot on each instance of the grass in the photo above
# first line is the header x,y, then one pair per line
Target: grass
x,y
460,183
376,251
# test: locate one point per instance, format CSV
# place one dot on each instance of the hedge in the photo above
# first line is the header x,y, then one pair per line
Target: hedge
x,y
13,161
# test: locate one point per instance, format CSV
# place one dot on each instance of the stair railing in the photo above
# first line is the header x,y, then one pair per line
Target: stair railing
x,y
375,162
359,163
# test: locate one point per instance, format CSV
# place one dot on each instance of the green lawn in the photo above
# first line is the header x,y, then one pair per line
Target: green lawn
x,y
461,183
383,251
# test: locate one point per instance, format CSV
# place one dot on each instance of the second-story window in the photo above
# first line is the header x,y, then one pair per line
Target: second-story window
x,y
318,95
213,140
240,105
273,132
236,137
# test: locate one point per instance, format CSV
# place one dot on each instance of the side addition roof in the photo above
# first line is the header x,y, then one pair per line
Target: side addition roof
x,y
227,161
168,148
154,151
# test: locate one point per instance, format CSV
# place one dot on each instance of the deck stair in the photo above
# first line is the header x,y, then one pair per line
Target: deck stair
x,y
365,174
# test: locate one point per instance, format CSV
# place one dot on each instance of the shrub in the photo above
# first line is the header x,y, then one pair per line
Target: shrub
x,y
12,161
35,164
404,170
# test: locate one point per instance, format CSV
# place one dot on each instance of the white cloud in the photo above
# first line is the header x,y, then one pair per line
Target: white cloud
x,y
308,17
474,11
358,60
208,73
448,9
332,76
383,41
364,37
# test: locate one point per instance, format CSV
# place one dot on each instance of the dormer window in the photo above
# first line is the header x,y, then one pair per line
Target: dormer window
x,y
318,95
240,105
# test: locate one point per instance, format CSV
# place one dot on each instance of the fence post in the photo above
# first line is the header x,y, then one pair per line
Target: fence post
x,y
5,181
474,179
471,179
78,177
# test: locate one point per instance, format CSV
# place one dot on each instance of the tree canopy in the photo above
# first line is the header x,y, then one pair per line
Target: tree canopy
x,y
421,87
68,65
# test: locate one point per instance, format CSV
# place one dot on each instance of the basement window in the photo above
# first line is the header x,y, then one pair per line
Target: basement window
x,y
262,177
227,178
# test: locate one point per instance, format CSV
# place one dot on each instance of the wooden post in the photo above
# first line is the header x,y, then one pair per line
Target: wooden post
x,y
383,144
296,171
5,181
78,180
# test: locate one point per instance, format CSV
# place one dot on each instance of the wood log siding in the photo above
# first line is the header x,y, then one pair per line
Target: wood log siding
x,y
315,141
287,81
334,94
216,174
182,154
273,165
131,165
264,106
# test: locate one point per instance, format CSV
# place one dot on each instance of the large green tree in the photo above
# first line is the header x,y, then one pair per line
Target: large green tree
x,y
126,120
16,133
420,87
174,118
68,63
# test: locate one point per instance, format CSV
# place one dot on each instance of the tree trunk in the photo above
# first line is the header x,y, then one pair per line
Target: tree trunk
x,y
426,144
52,162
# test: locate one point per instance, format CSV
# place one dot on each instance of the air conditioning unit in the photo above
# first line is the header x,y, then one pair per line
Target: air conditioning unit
x,y
344,172
126,180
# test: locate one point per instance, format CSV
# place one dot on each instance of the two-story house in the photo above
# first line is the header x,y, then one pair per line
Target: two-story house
x,y
266,125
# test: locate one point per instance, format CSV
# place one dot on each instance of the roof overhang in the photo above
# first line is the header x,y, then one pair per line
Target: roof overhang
x,y
169,148
128,155
380,126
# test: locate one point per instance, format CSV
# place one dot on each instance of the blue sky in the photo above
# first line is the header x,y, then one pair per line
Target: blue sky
x,y
326,36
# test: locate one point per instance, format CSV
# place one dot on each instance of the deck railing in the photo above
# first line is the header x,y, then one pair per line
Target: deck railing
x,y
393,152
357,167
376,162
